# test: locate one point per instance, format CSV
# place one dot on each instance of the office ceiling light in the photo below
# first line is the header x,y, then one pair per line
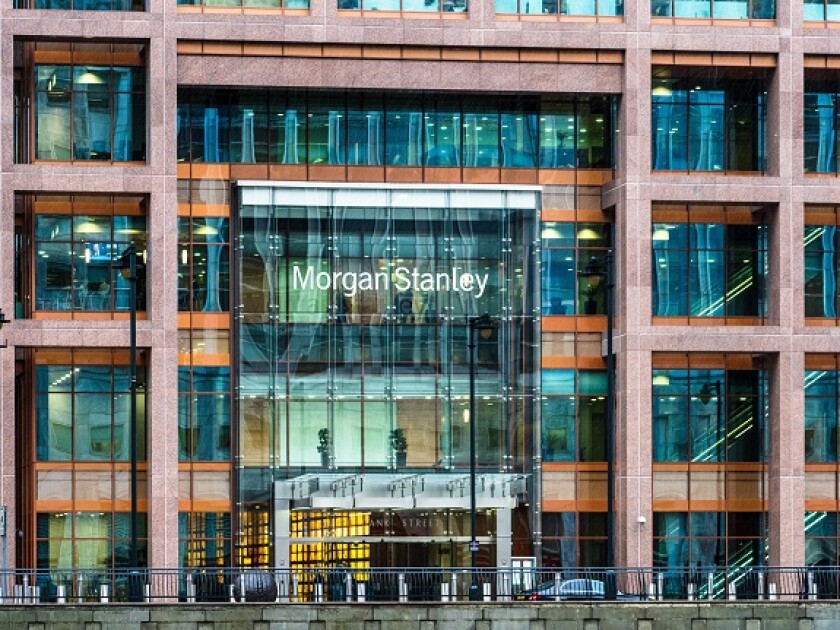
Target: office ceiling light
x,y
206,230
88,227
588,234
89,78
661,380
661,235
662,91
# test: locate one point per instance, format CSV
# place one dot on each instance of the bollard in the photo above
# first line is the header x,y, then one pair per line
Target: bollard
x,y
453,588
147,593
282,593
760,586
731,590
294,593
231,593
771,589
652,591
402,587
18,599
348,587
79,588
710,585
61,594
444,591
505,588
660,586
360,591
487,591
690,591
556,587
319,592
104,592
36,594
812,586
190,591
26,590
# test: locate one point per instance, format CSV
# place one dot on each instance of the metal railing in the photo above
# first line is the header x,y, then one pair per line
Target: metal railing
x,y
345,584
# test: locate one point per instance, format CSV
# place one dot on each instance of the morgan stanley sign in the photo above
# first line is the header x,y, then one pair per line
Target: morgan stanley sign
x,y
401,279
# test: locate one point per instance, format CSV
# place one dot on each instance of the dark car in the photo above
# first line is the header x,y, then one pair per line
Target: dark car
x,y
578,589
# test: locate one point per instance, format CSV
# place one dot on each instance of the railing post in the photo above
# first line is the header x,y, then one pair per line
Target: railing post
x,y
61,594
348,587
190,589
505,594
241,579
402,587
710,585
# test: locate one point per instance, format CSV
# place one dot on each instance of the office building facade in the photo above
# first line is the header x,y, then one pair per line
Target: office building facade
x,y
323,197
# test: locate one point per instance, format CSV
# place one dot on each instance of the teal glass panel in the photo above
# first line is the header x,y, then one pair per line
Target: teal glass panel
x,y
692,8
821,128
403,131
578,7
821,416
821,271
813,10
442,132
559,429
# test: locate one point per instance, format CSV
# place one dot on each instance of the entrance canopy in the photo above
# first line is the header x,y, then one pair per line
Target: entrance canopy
x,y
376,491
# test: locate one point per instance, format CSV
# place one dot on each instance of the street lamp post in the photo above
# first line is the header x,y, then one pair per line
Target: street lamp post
x,y
594,272
128,270
485,326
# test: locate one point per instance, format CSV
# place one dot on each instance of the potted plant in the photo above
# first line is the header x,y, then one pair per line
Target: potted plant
x,y
590,304
399,446
324,446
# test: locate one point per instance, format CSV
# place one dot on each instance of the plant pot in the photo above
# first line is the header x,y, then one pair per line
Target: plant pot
x,y
325,460
401,459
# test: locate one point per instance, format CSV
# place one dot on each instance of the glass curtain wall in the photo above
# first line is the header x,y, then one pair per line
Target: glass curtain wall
x,y
822,263
354,324
821,10
716,9
706,121
376,129
585,8
705,418
822,124
709,270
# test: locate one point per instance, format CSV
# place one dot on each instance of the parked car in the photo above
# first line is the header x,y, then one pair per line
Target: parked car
x,y
578,589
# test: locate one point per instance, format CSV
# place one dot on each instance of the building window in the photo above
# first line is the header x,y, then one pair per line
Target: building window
x,y
78,256
703,121
90,541
374,129
715,9
586,8
204,414
83,5
821,10
822,261
568,249
574,415
709,415
204,264
256,5
204,541
822,397
709,269
406,6
82,413
707,539
822,124
91,110
574,539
